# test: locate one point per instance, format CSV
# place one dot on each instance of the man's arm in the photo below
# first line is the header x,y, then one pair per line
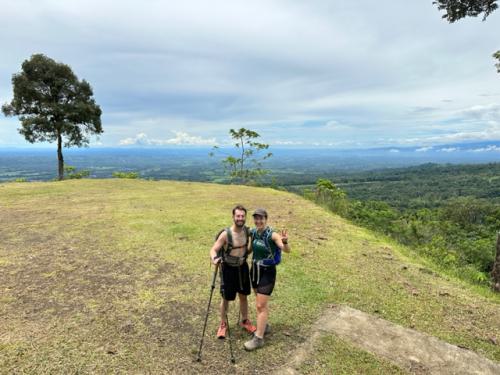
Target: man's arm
x,y
220,242
282,240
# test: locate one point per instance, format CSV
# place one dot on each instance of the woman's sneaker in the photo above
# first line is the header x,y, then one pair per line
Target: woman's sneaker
x,y
221,332
247,324
254,343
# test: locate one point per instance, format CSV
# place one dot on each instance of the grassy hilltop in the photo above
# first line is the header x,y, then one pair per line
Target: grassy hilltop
x,y
108,276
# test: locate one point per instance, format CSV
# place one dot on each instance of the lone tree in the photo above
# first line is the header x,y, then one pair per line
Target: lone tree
x,y
53,105
247,164
457,9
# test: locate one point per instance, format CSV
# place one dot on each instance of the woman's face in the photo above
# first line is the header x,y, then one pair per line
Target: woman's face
x,y
260,221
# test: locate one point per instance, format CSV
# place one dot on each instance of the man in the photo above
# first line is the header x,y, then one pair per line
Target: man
x,y
230,251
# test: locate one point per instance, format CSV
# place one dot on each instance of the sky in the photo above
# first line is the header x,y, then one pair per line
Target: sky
x,y
317,73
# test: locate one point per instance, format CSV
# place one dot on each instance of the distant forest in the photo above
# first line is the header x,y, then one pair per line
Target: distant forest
x,y
449,214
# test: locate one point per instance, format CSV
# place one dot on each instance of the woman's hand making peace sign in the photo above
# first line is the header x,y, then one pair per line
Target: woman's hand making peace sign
x,y
284,236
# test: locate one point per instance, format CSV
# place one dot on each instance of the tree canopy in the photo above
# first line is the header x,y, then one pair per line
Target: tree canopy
x,y
53,105
247,164
458,9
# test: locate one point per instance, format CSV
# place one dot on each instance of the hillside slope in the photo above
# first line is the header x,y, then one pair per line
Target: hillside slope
x,y
113,276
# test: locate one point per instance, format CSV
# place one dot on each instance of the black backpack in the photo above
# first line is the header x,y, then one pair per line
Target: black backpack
x,y
225,251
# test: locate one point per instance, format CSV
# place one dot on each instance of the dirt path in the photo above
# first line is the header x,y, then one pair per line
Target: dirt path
x,y
413,351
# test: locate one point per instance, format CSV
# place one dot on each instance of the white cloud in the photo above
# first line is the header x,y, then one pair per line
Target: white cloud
x,y
424,149
335,126
181,138
229,63
287,143
489,148
394,150
488,112
449,149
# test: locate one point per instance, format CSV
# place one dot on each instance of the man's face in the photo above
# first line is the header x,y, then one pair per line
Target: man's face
x,y
239,218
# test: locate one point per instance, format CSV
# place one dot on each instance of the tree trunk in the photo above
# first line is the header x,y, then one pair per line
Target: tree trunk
x,y
60,157
495,274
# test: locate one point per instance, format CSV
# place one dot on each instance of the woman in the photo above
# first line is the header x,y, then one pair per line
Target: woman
x,y
266,246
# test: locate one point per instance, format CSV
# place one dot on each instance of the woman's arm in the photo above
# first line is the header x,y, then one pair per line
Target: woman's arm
x,y
249,247
282,240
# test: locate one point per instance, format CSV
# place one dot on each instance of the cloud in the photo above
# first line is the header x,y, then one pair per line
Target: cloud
x,y
265,65
394,150
489,148
287,143
449,149
424,149
488,112
335,126
180,139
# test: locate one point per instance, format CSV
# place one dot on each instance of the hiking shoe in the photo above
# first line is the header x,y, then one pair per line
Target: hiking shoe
x,y
254,343
247,324
221,332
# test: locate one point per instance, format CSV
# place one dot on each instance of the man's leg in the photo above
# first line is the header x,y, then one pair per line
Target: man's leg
x,y
243,306
224,307
221,332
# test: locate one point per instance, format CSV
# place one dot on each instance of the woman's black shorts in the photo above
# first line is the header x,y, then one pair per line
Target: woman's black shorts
x,y
234,280
263,278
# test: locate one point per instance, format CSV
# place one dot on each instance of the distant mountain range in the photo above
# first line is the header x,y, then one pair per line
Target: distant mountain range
x,y
193,163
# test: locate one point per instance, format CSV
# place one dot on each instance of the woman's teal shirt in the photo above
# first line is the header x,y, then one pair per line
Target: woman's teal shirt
x,y
260,250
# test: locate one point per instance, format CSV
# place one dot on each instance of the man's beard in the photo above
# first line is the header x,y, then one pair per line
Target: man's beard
x,y
240,224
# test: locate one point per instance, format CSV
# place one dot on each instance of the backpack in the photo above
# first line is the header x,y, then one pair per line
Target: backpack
x,y
225,251
274,257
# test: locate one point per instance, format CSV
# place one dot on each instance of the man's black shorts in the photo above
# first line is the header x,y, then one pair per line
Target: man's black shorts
x,y
234,281
263,279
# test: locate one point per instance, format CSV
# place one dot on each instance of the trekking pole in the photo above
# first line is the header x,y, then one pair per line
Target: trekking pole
x,y
230,341
208,310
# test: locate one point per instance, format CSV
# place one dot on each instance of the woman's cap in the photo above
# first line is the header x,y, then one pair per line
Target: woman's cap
x,y
260,212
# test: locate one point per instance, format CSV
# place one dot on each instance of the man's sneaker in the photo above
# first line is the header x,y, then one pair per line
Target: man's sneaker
x,y
221,332
254,343
247,324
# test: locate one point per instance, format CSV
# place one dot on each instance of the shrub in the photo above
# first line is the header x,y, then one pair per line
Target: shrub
x,y
130,175
71,173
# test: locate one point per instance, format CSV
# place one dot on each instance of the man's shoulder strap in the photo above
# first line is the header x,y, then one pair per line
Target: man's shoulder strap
x,y
229,238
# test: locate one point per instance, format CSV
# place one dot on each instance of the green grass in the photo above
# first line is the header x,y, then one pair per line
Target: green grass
x,y
104,276
335,356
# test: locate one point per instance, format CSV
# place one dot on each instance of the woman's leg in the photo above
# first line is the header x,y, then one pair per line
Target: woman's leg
x,y
262,314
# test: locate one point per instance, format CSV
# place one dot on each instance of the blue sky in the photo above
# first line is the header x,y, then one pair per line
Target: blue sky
x,y
319,73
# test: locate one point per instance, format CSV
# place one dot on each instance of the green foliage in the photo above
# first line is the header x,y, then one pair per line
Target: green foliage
x,y
329,195
71,172
246,166
458,9
496,56
53,105
457,236
129,175
22,179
